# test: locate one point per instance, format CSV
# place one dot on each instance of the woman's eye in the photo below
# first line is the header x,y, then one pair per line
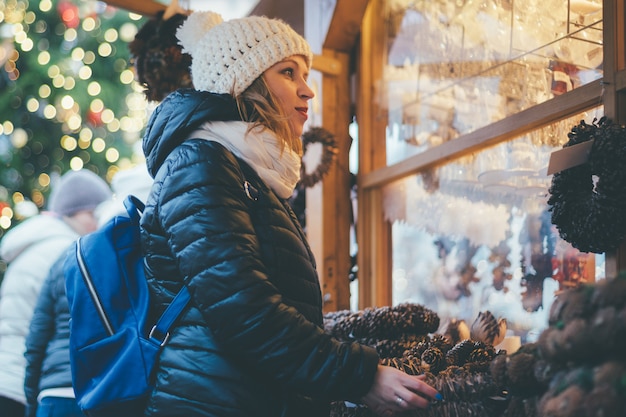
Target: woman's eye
x,y
288,72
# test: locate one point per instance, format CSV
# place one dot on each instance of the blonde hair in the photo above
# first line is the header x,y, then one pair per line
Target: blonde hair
x,y
258,106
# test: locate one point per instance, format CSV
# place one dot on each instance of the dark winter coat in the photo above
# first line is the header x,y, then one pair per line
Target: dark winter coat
x,y
252,342
47,344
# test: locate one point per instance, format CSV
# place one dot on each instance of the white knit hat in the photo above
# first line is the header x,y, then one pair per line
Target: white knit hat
x,y
228,56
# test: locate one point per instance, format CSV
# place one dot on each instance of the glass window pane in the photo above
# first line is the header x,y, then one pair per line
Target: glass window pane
x,y
476,234
455,66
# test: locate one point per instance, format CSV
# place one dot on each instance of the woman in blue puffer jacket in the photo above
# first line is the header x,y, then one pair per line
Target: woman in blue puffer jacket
x,y
225,157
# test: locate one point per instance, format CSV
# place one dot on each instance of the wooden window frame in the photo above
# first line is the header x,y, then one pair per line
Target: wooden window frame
x,y
374,232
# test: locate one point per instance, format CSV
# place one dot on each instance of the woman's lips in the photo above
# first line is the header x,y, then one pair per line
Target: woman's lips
x,y
303,112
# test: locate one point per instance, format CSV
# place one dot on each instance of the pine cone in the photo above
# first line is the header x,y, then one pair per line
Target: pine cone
x,y
433,360
459,353
486,328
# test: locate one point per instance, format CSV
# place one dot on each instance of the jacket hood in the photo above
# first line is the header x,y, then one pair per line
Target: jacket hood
x,y
34,230
179,114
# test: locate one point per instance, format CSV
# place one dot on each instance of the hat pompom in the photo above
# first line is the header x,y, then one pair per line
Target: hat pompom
x,y
195,27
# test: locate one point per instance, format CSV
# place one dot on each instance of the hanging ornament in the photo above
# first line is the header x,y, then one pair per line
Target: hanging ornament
x,y
68,12
562,77
94,117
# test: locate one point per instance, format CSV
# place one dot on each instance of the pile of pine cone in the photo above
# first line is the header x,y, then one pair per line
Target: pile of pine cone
x,y
577,368
391,330
458,369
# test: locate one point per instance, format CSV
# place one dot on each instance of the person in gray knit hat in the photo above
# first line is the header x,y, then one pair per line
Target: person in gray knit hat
x,y
30,249
77,195
225,157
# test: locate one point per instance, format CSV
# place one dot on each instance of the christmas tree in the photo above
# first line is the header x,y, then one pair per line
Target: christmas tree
x,y
68,98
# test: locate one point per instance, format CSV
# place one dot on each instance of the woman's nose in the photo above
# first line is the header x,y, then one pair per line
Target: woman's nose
x,y
306,92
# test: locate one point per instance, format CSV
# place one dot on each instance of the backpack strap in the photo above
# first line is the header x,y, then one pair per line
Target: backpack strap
x,y
160,331
134,207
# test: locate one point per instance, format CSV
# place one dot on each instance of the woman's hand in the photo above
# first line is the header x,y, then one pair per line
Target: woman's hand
x,y
395,391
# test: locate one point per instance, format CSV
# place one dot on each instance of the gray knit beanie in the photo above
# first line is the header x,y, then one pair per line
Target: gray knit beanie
x,y
228,56
76,191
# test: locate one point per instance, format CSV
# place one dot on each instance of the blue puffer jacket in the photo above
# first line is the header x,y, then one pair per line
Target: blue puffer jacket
x,y
252,342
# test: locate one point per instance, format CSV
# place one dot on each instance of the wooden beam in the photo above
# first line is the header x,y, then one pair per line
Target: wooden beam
x,y
291,11
620,81
335,190
614,42
345,25
586,97
327,65
142,7
374,256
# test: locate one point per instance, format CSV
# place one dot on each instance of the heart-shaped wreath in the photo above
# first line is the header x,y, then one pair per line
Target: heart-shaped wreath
x,y
329,152
588,201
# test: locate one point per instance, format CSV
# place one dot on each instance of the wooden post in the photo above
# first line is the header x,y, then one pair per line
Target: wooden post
x,y
333,197
374,256
614,94
329,206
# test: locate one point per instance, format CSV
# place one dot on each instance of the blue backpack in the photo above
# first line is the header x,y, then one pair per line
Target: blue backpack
x,y
113,347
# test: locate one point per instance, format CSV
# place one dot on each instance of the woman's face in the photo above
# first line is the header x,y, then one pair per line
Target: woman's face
x,y
287,80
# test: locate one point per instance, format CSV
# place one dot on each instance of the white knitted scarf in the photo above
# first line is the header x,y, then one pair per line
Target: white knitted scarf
x,y
279,168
